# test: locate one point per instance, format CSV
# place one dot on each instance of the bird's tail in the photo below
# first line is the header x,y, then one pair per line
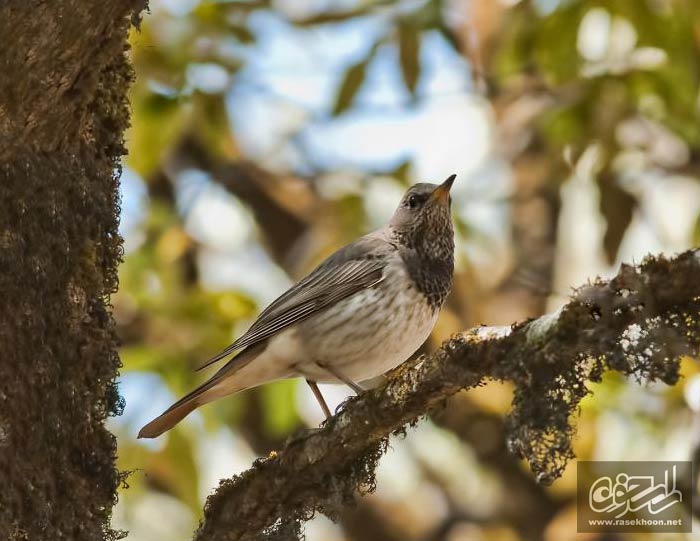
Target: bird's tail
x,y
179,410
170,417
220,384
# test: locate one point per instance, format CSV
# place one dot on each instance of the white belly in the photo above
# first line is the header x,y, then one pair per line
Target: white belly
x,y
368,333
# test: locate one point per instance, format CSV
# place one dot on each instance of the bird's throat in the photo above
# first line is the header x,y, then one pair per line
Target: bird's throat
x,y
431,276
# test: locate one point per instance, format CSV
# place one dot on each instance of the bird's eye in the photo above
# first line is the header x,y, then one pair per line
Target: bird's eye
x,y
412,202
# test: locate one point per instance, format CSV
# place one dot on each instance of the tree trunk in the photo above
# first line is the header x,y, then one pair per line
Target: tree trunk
x,y
63,111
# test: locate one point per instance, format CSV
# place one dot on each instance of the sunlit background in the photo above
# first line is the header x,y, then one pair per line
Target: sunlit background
x,y
266,134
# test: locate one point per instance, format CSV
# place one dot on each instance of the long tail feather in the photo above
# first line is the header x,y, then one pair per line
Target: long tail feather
x,y
178,411
200,396
168,419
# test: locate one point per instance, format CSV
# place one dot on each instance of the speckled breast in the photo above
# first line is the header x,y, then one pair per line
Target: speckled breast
x,y
370,332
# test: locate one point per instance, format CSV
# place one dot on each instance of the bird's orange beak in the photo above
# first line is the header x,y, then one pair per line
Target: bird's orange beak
x,y
442,192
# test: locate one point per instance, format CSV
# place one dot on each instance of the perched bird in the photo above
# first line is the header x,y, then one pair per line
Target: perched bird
x,y
363,311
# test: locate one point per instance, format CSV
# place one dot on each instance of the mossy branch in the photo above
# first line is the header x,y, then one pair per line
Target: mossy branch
x,y
639,323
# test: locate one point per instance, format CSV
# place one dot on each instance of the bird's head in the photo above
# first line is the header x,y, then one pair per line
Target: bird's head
x,y
423,221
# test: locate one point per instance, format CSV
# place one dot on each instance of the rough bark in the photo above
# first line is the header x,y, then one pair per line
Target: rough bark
x,y
639,323
63,111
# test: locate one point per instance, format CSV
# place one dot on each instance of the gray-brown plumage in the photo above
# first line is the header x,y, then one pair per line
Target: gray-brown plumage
x,y
363,311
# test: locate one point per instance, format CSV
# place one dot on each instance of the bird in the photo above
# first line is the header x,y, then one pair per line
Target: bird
x,y
362,312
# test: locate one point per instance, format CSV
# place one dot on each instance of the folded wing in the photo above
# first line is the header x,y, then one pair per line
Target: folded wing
x,y
355,267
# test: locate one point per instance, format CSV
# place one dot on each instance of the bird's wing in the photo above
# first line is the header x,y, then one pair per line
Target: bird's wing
x,y
355,267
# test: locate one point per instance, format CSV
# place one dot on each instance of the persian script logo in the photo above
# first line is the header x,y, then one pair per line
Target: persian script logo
x,y
633,493
634,496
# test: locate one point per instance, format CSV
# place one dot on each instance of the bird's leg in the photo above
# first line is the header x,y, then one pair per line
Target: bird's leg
x,y
319,397
339,375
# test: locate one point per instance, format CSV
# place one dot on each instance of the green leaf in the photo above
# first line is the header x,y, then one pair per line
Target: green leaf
x,y
281,415
696,232
142,357
351,84
409,53
157,122
242,33
178,469
211,125
353,80
402,170
220,17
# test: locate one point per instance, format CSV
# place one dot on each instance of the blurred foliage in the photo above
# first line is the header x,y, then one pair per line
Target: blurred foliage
x,y
558,78
183,319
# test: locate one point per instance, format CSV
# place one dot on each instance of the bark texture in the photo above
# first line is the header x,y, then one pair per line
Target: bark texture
x,y
63,111
639,323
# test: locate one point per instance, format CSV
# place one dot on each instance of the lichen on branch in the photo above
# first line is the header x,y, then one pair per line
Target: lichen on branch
x,y
639,323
